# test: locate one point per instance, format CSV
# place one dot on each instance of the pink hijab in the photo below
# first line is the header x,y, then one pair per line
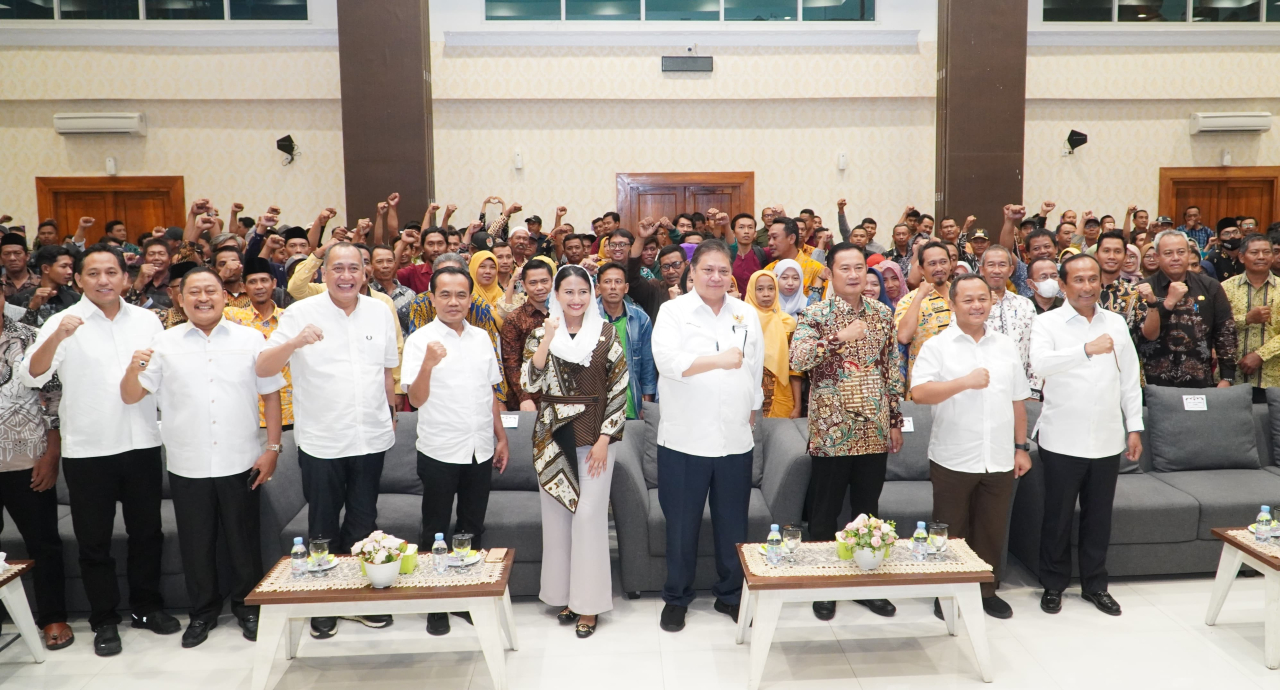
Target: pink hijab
x,y
887,267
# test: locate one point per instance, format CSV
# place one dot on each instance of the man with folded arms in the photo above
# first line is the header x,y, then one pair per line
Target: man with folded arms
x,y
341,344
1090,369
971,373
110,450
202,376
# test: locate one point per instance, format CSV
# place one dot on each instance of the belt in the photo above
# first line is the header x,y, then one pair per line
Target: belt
x,y
571,399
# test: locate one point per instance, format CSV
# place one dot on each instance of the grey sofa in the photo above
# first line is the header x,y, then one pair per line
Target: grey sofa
x,y
780,479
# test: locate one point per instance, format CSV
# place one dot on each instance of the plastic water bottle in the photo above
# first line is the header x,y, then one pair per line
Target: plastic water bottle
x,y
1262,526
920,542
773,546
298,558
440,555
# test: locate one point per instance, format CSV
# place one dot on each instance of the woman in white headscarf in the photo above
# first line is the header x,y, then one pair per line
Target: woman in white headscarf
x,y
791,297
576,361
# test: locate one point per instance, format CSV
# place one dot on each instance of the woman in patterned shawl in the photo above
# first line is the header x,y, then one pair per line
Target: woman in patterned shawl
x,y
579,367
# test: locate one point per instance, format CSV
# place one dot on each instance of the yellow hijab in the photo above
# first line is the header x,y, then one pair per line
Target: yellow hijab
x,y
491,294
776,326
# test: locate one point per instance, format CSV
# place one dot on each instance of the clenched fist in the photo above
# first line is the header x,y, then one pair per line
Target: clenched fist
x,y
435,352
68,327
237,207
310,335
1099,346
857,330
549,328
86,222
394,199
1177,291
1146,293
141,358
978,379
731,358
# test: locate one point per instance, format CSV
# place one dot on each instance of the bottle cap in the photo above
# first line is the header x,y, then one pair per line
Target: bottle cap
x,y
439,536
920,525
297,540
773,528
1266,509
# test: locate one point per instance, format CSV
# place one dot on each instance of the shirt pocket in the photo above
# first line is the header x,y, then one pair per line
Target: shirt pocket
x,y
372,348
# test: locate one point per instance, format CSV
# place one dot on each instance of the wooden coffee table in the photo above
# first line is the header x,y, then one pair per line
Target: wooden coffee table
x,y
763,597
489,606
1234,552
15,599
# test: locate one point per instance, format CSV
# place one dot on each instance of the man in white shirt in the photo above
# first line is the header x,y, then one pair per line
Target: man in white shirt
x,y
341,349
202,375
971,373
709,352
111,451
1090,369
449,372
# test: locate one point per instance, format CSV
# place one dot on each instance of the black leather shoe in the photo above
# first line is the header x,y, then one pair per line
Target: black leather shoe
x,y
197,633
249,626
374,622
584,630
937,609
106,640
672,618
1051,601
157,622
997,607
730,610
1103,601
324,628
566,616
824,610
438,623
880,607
464,615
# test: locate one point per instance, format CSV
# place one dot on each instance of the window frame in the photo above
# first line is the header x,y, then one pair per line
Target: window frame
x,y
142,17
799,17
1038,17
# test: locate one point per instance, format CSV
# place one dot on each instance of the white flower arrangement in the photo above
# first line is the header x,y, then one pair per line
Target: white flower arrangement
x,y
868,532
379,548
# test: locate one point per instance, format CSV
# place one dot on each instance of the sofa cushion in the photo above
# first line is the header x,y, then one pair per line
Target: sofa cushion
x,y
1149,511
911,463
758,522
519,475
906,503
1217,438
1227,498
170,555
653,414
400,464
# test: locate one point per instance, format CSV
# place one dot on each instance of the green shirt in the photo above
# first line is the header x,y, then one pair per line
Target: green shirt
x,y
620,325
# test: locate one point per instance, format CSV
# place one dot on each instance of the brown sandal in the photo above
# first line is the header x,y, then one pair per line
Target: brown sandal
x,y
57,636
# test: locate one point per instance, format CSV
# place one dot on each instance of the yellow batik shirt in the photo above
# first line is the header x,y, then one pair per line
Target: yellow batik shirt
x,y
1256,337
248,316
935,316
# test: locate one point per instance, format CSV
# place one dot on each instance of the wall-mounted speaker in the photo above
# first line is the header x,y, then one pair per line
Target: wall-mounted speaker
x,y
686,63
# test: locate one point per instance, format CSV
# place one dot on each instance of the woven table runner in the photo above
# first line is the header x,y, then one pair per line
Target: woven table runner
x,y
1268,547
346,575
820,559
9,570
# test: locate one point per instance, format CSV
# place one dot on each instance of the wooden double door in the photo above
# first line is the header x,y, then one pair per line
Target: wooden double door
x,y
141,203
670,194
1221,192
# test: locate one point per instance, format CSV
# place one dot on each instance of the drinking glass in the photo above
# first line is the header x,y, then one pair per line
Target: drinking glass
x,y
462,547
319,555
791,538
938,537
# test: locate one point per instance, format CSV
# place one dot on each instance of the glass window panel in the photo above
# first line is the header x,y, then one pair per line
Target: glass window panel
x,y
99,9
268,9
1226,10
522,9
760,10
602,10
1077,10
841,10
184,9
1273,11
682,10
26,9
1153,10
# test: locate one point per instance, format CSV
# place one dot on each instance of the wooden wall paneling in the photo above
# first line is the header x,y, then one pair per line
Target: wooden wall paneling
x,y
1221,191
670,194
150,199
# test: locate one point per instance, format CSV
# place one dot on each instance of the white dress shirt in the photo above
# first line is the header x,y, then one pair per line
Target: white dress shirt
x,y
95,421
1083,395
456,423
708,414
340,407
208,392
973,431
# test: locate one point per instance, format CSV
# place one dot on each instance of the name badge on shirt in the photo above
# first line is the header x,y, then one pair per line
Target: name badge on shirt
x,y
1194,402
510,421
908,425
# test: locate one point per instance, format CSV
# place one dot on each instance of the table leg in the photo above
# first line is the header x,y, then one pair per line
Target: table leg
x,y
509,620
1228,568
484,613
744,612
296,627
15,599
766,620
969,598
1271,624
949,613
271,627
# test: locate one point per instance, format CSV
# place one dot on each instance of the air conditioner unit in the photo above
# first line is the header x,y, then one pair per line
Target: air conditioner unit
x,y
1202,123
100,123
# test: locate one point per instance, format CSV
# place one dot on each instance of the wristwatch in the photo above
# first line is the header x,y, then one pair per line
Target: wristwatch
x,y
1022,446
273,446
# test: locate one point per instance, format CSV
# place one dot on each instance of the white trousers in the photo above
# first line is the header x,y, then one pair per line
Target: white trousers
x,y
575,546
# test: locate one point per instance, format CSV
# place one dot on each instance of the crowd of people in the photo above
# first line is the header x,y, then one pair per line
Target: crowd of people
x,y
253,324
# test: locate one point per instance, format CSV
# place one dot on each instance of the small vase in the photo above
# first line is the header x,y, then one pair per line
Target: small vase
x,y
382,574
844,551
868,559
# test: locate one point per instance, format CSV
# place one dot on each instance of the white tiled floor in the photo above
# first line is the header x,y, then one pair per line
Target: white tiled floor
x,y
1160,642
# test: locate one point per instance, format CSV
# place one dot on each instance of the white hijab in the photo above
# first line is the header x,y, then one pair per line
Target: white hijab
x,y
791,304
576,349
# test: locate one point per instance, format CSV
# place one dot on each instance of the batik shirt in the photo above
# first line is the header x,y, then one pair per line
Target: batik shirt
x,y
401,296
251,318
1012,316
935,316
28,413
515,333
1122,298
1200,325
815,350
1256,337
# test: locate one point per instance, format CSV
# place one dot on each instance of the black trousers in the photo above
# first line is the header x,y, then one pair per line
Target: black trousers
x,y
35,514
975,506
331,484
684,484
862,476
134,479
441,481
204,508
1093,480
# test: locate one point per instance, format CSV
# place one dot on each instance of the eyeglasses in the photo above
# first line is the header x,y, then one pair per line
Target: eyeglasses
x,y
673,266
619,245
